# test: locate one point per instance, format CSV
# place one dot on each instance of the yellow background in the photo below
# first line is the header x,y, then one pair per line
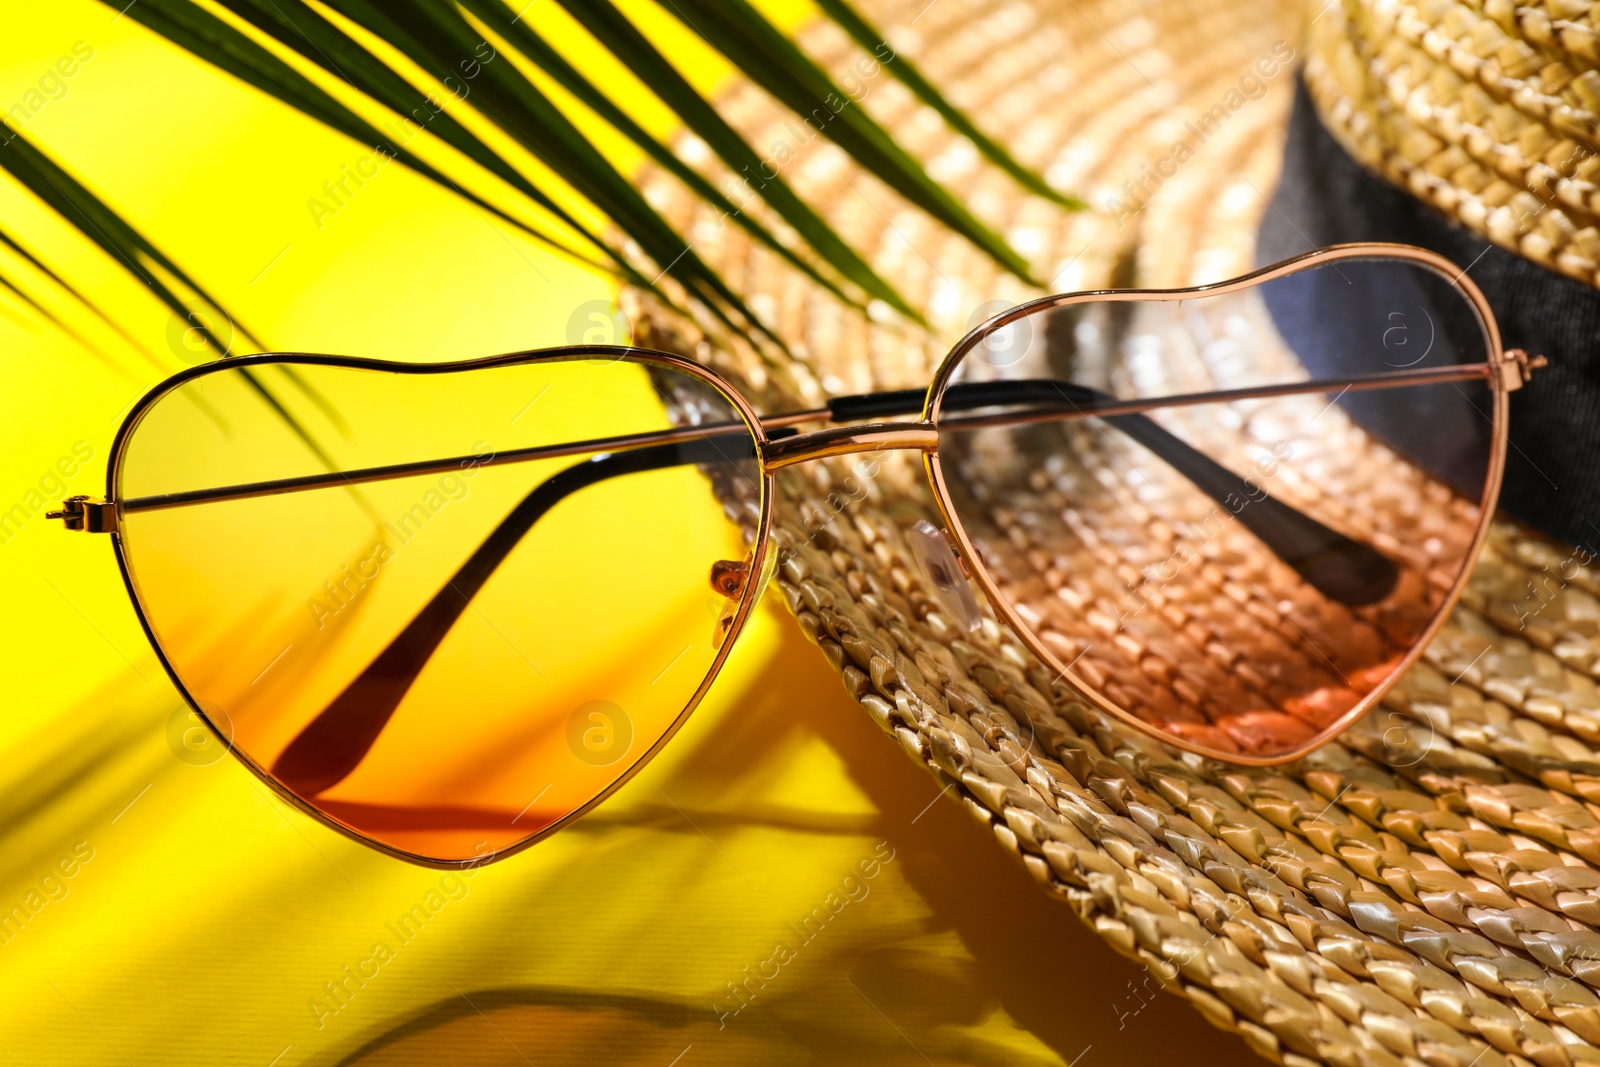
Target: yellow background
x,y
210,915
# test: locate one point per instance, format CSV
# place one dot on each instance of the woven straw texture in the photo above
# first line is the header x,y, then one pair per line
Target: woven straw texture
x,y
1489,110
1423,891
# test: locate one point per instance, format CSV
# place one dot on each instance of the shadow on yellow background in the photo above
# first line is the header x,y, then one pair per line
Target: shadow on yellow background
x,y
166,909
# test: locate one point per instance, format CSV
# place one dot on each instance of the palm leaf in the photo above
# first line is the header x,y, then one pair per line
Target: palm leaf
x,y
438,38
75,203
437,41
822,238
906,72
51,317
302,28
210,38
773,61
43,268
70,199
612,29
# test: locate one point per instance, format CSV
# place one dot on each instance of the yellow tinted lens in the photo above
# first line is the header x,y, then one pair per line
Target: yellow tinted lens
x,y
450,658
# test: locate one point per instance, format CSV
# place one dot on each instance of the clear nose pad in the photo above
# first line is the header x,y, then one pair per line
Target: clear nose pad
x,y
945,572
730,579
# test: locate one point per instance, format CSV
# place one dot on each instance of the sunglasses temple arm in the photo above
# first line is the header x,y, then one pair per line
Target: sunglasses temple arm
x,y
334,743
338,739
1052,407
1341,568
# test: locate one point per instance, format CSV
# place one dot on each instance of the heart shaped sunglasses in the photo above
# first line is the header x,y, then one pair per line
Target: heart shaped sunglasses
x,y
448,608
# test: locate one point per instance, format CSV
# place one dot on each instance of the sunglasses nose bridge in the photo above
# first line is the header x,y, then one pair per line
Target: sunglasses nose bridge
x,y
848,440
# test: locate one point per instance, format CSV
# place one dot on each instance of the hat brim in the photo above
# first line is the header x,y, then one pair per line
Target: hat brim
x,y
1334,910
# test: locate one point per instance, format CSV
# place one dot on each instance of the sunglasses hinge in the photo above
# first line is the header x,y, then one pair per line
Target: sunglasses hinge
x,y
1517,367
87,515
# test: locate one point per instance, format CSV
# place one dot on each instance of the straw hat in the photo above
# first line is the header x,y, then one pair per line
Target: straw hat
x,y
1487,111
1423,890
1473,129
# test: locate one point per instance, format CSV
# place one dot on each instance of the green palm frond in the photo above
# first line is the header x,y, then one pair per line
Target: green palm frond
x,y
218,42
444,38
70,199
438,38
55,320
612,29
906,72
577,198
773,61
76,204
823,239
71,290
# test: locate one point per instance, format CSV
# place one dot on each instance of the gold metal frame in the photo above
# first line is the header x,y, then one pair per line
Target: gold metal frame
x,y
1503,370
1507,374
759,563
